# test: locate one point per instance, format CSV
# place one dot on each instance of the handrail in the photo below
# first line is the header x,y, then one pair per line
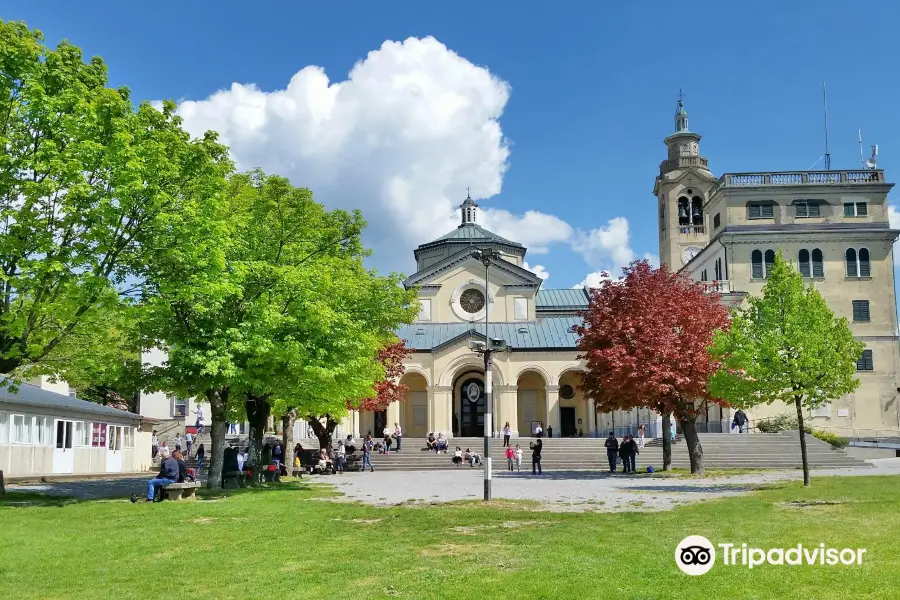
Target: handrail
x,y
781,178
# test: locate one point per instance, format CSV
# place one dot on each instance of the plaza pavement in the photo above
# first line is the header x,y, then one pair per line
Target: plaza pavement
x,y
554,490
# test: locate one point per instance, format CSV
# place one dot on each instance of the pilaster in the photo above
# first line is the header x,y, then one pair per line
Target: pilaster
x,y
552,419
440,418
508,407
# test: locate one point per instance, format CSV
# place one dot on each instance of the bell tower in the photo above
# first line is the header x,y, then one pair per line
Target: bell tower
x,y
682,191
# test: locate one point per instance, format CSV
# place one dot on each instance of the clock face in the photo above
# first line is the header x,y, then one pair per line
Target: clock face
x,y
472,301
689,253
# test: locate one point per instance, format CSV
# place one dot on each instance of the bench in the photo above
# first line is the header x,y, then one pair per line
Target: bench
x,y
234,479
180,491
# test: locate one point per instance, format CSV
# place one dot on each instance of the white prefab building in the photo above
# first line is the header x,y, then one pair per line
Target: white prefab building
x,y
47,433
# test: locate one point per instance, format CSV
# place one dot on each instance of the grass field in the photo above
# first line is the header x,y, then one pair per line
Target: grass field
x,y
287,542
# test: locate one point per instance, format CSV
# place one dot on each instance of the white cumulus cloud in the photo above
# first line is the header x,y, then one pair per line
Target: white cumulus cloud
x,y
538,270
534,230
402,137
607,249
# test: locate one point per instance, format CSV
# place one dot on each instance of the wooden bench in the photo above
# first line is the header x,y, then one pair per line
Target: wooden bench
x,y
234,479
180,491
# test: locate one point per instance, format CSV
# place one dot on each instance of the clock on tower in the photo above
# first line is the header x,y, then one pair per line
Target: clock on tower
x,y
689,253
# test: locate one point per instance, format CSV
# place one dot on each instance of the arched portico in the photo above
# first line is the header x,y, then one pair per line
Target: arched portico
x,y
414,410
531,400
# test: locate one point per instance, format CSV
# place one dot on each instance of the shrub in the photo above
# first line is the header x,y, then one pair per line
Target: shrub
x,y
832,438
785,422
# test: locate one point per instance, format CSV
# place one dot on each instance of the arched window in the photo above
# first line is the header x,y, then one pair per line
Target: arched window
x,y
697,210
770,262
818,263
805,267
756,259
684,217
850,256
865,269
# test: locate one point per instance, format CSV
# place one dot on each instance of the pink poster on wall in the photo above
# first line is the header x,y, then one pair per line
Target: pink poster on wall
x,y
98,435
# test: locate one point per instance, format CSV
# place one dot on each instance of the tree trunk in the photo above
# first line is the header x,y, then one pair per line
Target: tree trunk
x,y
287,437
695,450
218,408
258,410
323,432
667,441
802,441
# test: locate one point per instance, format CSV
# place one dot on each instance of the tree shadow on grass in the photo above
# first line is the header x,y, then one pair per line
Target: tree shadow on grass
x,y
31,499
562,475
283,486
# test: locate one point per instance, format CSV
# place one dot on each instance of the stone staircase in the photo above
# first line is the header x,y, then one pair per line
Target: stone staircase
x,y
720,451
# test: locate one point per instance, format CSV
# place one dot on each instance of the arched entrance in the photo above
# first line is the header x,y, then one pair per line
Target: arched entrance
x,y
469,405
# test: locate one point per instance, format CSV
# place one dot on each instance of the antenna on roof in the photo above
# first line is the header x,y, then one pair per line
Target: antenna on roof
x,y
872,162
825,105
862,160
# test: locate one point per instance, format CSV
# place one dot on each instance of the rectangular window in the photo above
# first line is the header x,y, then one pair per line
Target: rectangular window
x,y
424,309
856,209
42,431
129,437
98,435
860,310
179,407
804,208
21,430
81,436
717,221
822,411
865,362
760,211
520,308
4,428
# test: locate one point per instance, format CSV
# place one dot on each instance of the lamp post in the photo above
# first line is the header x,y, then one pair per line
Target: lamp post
x,y
487,349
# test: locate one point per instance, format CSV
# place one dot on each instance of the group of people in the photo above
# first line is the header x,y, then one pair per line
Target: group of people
x,y
627,451
188,442
437,444
513,458
172,469
472,457
391,436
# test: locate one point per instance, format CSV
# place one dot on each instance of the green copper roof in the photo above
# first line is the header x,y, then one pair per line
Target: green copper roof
x,y
472,233
550,333
572,299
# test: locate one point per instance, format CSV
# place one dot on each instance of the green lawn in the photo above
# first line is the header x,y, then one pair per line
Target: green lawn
x,y
288,543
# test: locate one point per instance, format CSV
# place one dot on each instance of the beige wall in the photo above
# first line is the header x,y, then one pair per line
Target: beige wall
x,y
444,306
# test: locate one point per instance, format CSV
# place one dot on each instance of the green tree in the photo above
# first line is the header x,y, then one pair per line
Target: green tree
x,y
91,191
289,317
108,373
786,346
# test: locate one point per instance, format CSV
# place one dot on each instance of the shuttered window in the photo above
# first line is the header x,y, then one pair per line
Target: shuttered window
x,y
856,209
818,264
770,261
865,269
862,209
860,310
756,260
803,259
717,220
760,211
805,208
865,362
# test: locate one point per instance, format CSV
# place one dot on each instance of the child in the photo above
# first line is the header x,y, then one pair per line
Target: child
x,y
518,458
457,457
510,457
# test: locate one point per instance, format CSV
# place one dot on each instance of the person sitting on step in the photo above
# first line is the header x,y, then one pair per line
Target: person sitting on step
x,y
430,442
457,457
441,443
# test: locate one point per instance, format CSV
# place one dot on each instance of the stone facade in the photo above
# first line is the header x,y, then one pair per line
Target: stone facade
x,y
832,225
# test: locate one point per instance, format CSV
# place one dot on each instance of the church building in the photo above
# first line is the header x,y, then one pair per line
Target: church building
x,y
536,377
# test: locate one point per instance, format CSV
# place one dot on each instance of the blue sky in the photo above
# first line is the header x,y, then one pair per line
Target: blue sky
x,y
591,93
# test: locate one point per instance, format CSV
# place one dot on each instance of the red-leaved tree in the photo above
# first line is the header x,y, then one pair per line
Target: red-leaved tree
x,y
646,342
387,390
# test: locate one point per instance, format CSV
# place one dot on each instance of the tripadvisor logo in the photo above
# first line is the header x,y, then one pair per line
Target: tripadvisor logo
x,y
696,555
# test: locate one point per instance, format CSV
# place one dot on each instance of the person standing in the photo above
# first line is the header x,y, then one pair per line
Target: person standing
x,y
507,431
627,451
536,447
199,423
672,428
641,432
340,458
510,457
201,454
277,454
398,435
177,441
518,458
188,442
154,445
612,450
740,421
367,454
387,439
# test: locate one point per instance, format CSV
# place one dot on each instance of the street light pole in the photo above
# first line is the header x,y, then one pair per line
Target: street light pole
x,y
485,256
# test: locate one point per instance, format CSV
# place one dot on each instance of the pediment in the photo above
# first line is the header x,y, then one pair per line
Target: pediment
x,y
501,271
